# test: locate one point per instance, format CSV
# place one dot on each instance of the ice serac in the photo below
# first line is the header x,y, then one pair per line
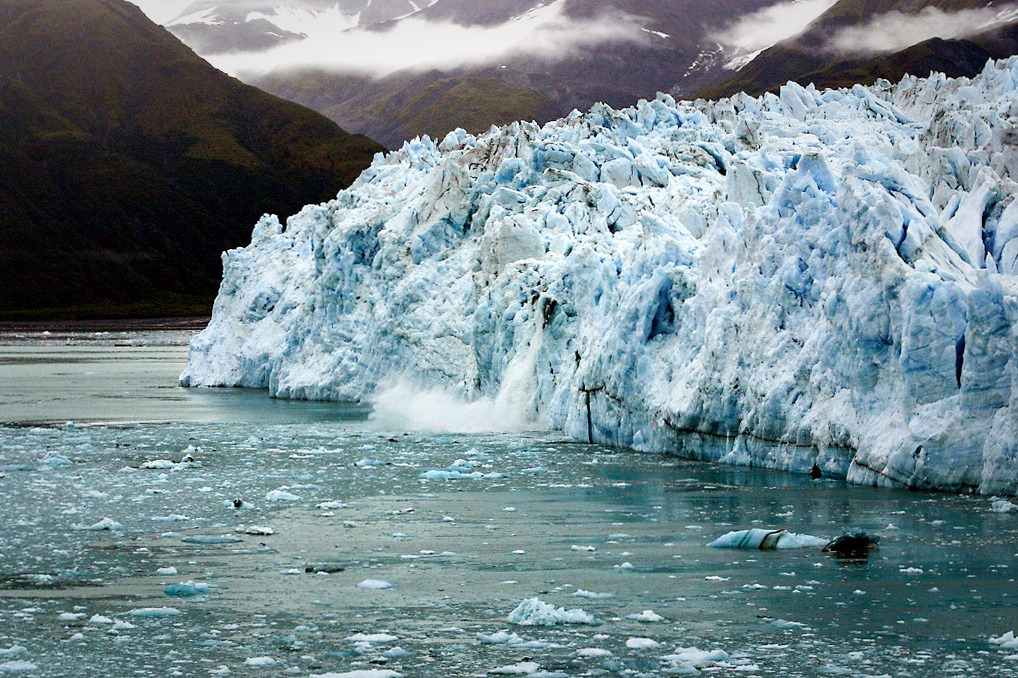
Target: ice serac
x,y
816,278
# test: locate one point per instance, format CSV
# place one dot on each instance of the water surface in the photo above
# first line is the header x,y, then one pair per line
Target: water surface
x,y
96,430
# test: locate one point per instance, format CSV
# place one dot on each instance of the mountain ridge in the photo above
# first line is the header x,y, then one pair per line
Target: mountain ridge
x,y
130,163
807,57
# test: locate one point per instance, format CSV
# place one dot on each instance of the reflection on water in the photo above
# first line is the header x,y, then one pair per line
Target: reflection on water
x,y
94,377
508,517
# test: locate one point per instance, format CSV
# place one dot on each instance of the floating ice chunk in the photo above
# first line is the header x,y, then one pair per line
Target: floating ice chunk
x,y
518,669
55,459
642,644
211,539
534,612
186,589
372,638
369,463
1002,505
445,474
187,461
693,659
65,617
592,652
374,584
172,518
159,464
786,624
99,619
362,673
260,661
259,530
12,651
582,593
106,524
500,638
281,495
1006,641
578,547
17,666
624,566
332,505
154,612
758,538
648,616
714,577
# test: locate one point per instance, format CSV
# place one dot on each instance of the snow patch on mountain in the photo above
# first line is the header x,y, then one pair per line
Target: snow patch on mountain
x,y
207,17
809,279
309,22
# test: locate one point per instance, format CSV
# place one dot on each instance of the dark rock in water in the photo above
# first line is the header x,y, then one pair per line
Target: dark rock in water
x,y
327,568
854,544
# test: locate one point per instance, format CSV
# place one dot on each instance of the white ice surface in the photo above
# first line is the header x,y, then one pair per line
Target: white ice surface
x,y
759,538
535,612
804,279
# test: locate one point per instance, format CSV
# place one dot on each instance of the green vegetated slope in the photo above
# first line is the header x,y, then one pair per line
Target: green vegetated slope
x,y
411,104
128,164
808,58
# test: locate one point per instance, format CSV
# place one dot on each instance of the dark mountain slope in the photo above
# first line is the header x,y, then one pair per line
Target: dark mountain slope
x,y
128,164
807,58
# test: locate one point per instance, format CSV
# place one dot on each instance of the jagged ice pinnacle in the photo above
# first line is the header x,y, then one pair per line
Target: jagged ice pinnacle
x,y
825,278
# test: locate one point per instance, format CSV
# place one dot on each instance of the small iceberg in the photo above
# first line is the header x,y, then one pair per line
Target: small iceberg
x,y
767,540
534,612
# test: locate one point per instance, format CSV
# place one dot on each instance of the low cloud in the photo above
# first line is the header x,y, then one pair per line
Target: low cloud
x,y
895,31
162,11
419,44
771,25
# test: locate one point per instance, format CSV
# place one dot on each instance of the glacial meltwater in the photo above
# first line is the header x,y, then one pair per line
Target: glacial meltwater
x,y
150,530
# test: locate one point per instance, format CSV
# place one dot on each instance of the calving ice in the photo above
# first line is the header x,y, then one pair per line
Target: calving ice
x,y
812,279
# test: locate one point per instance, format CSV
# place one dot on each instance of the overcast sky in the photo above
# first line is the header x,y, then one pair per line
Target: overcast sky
x,y
162,11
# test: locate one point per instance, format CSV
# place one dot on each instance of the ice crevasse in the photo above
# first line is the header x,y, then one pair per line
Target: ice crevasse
x,y
810,278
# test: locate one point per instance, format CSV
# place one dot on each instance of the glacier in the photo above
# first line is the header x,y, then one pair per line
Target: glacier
x,y
809,280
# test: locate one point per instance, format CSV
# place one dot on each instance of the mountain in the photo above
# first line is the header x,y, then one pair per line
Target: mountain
x,y
817,280
647,46
817,56
128,163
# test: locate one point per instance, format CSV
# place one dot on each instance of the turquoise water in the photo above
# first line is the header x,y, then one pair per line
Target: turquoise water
x,y
95,429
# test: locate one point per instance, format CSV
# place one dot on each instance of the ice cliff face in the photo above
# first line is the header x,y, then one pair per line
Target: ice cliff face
x,y
819,278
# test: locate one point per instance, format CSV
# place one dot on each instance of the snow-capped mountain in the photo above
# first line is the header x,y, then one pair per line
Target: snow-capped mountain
x,y
813,279
860,41
394,69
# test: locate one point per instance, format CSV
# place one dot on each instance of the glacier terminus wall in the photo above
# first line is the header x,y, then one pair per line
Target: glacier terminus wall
x,y
813,278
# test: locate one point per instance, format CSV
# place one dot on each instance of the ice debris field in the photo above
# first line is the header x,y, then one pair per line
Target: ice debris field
x,y
320,549
805,280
